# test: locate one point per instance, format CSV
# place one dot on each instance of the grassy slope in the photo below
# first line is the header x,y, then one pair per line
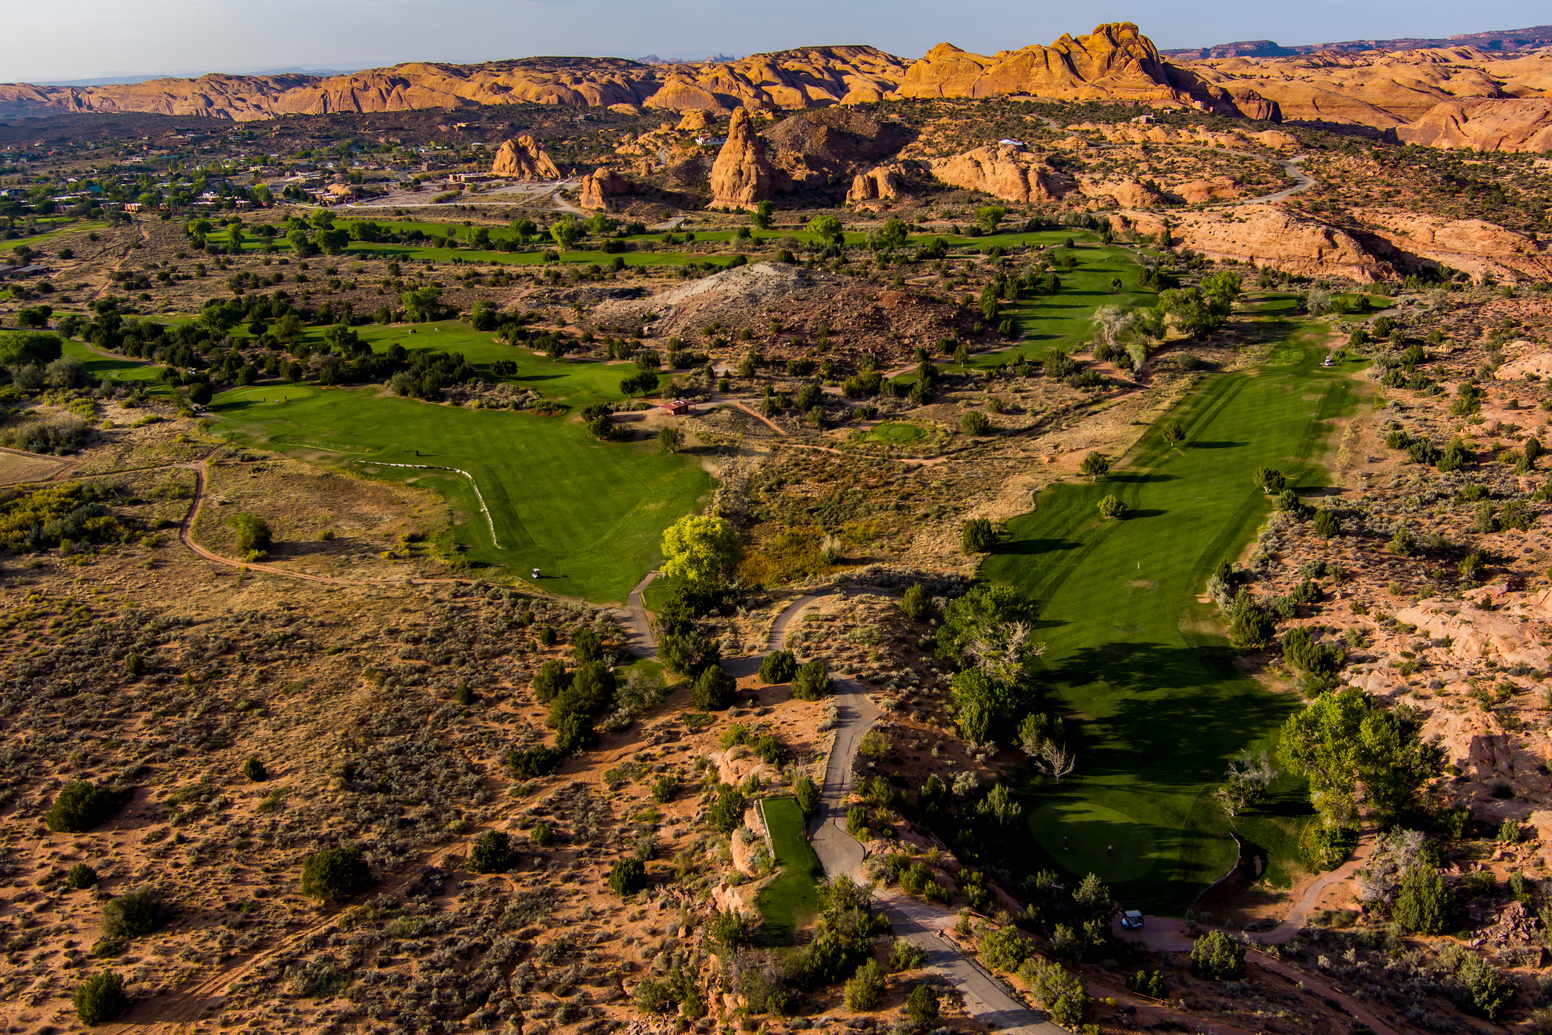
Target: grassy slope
x,y
789,900
590,515
1133,654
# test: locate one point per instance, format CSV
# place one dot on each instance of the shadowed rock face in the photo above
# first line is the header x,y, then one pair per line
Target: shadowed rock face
x,y
815,148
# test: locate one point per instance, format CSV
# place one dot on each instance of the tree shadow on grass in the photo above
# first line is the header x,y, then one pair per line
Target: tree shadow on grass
x,y
1025,547
1199,444
1140,477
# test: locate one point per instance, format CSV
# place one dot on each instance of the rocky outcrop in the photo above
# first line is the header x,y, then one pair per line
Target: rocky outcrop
x,y
524,159
1122,193
880,184
1139,133
809,77
599,188
1269,236
1114,61
1484,125
742,175
1001,171
1478,247
1383,90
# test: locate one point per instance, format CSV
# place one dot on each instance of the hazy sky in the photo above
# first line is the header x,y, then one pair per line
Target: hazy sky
x,y
75,39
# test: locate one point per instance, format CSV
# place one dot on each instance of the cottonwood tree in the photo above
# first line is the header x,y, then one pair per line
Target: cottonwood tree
x,y
1055,760
698,549
1110,322
1246,782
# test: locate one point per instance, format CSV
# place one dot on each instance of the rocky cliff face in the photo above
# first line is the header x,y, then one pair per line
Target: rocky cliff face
x,y
1484,125
828,145
1269,236
811,77
600,187
524,159
742,175
1114,61
1000,171
1383,90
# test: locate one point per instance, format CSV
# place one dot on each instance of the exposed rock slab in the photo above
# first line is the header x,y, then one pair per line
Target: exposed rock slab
x,y
1484,125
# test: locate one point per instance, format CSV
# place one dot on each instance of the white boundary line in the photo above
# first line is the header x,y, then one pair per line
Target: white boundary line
x,y
472,483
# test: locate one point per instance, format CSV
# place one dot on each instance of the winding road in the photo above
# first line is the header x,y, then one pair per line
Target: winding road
x,y
987,999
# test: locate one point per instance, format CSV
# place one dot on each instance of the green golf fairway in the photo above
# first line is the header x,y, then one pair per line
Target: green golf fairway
x,y
589,515
1142,665
792,897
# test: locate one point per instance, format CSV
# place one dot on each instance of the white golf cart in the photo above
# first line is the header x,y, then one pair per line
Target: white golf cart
x,y
1131,918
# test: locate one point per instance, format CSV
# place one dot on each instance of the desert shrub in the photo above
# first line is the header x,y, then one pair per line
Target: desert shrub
x,y
1217,957
254,537
82,805
977,535
1062,994
541,834
134,913
904,955
975,423
729,928
1483,989
254,770
916,603
80,876
874,745
1004,949
919,880
921,1006
586,646
713,689
529,763
865,989
627,876
663,789
100,998
812,681
727,812
806,791
779,666
492,853
335,874
1423,903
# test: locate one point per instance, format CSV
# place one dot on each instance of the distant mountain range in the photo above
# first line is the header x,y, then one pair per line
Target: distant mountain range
x,y
1499,40
129,80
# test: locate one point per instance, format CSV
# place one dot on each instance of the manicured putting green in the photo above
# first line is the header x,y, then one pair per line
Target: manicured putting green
x,y
1090,838
791,899
1140,665
895,434
267,394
